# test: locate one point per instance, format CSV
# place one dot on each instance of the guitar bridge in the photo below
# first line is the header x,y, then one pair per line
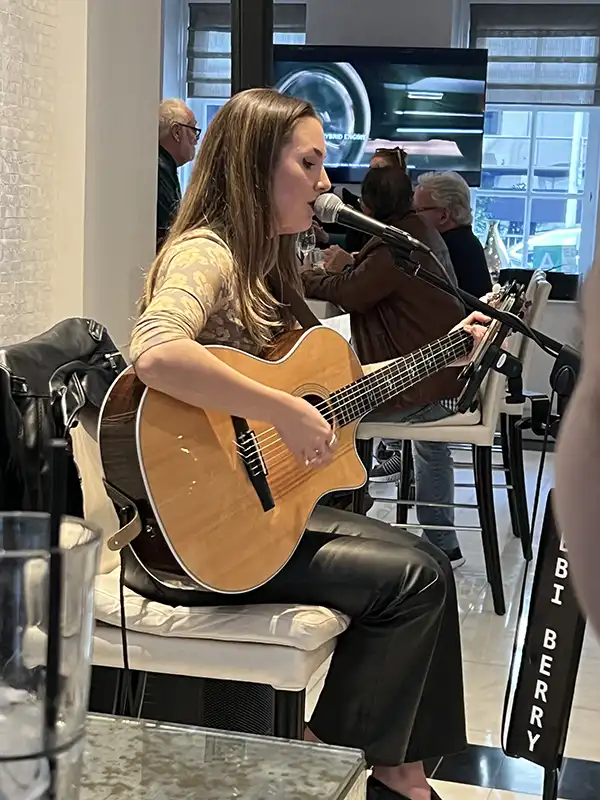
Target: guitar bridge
x,y
253,461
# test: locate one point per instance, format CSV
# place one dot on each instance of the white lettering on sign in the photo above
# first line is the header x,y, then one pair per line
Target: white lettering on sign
x,y
537,714
550,643
562,569
541,688
546,665
558,590
533,740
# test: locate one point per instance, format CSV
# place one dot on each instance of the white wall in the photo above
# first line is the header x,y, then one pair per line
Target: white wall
x,y
123,94
28,52
79,93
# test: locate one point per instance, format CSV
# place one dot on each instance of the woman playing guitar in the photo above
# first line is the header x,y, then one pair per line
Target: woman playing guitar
x,y
395,686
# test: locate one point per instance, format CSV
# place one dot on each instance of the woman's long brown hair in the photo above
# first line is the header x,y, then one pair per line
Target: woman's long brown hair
x,y
230,193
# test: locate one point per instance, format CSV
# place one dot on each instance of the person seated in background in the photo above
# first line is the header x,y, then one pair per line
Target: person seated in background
x,y
382,157
444,199
178,135
392,314
336,258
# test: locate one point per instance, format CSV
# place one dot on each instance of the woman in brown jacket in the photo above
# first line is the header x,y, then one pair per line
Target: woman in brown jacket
x,y
391,315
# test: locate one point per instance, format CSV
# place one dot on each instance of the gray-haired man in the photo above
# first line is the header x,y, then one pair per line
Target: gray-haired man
x,y
178,135
444,200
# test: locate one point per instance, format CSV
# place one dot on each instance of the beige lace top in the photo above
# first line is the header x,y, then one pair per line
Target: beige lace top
x,y
194,298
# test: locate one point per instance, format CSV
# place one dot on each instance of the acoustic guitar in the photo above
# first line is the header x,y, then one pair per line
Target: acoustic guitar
x,y
223,500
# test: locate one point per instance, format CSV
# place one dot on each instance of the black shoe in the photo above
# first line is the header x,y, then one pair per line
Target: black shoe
x,y
376,790
382,453
388,471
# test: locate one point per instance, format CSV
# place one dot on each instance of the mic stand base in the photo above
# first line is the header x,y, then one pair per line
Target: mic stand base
x,y
551,781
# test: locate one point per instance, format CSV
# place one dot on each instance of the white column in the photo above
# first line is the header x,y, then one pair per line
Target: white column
x,y
106,132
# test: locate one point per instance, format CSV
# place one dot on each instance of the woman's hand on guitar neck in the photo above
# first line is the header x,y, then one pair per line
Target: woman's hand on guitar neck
x,y
477,332
305,432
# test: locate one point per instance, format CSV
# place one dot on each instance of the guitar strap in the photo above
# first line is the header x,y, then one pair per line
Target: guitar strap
x,y
286,294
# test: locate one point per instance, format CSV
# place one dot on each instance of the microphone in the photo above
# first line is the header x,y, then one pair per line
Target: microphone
x,y
329,208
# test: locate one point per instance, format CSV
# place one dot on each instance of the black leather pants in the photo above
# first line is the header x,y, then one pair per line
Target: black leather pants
x,y
395,686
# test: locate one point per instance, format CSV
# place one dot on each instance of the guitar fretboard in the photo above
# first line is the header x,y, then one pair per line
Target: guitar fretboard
x,y
352,402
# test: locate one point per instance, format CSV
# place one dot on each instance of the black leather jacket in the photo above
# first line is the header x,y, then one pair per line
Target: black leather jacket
x,y
44,383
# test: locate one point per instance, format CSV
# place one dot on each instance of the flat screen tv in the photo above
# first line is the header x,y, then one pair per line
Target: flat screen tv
x,y
430,102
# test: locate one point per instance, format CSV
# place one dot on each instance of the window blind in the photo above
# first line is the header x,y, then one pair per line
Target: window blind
x,y
539,54
209,44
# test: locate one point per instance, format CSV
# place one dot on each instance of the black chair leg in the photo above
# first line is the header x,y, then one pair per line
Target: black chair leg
x,y
404,483
290,708
513,503
360,497
482,462
517,471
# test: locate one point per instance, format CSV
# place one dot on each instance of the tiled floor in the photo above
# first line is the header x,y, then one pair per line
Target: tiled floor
x,y
487,647
454,791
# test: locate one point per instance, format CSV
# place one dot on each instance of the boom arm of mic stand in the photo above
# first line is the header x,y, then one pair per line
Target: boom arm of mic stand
x,y
412,267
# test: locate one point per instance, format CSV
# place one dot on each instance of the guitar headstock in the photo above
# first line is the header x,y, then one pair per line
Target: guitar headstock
x,y
510,297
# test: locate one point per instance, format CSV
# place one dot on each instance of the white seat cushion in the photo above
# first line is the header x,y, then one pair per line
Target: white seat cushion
x,y
457,428
281,645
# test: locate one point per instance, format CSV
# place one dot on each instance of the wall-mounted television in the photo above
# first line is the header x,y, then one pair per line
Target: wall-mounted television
x,y
430,102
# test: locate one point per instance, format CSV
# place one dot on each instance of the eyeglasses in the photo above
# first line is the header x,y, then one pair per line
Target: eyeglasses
x,y
393,152
428,208
196,130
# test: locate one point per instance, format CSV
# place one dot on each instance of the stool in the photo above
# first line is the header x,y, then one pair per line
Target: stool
x,y
480,433
537,295
474,428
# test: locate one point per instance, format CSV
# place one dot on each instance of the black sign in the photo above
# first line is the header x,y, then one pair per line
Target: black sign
x,y
539,721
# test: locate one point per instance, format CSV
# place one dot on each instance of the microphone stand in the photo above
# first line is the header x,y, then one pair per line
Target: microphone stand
x,y
538,720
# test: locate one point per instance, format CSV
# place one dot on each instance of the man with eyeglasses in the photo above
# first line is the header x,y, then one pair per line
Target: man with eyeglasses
x,y
443,199
178,136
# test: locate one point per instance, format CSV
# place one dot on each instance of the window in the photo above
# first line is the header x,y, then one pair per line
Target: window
x,y
209,51
542,131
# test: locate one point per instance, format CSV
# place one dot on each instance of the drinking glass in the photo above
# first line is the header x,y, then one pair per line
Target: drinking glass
x,y
307,242
41,743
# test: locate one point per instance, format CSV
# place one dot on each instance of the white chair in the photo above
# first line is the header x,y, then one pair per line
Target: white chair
x,y
538,293
253,663
258,660
478,430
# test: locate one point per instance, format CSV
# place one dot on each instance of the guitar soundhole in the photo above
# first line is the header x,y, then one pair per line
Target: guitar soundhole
x,y
321,405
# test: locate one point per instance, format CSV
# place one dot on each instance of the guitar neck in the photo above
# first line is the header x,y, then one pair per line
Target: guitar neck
x,y
352,402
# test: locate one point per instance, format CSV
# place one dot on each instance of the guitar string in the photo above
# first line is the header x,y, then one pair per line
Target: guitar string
x,y
355,395
378,379
383,373
281,452
353,401
398,389
294,469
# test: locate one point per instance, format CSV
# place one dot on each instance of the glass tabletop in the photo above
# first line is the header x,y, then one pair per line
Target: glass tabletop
x,y
139,759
